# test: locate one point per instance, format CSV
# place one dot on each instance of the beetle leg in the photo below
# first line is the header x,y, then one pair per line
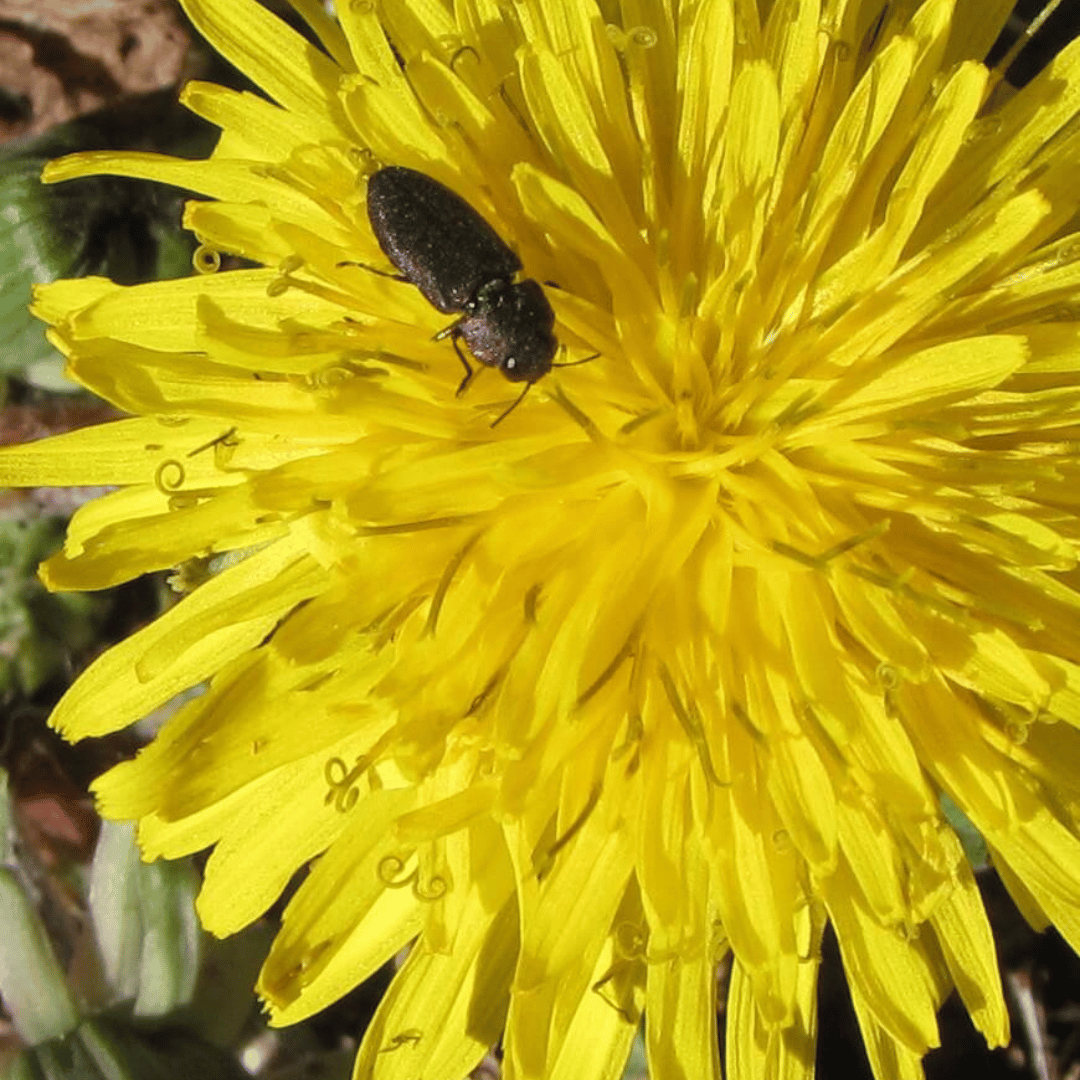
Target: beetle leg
x,y
372,269
453,332
516,402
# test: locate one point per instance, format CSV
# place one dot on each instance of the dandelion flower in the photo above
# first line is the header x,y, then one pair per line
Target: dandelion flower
x,y
682,658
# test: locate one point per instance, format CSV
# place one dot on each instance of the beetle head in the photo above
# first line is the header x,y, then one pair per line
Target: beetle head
x,y
510,327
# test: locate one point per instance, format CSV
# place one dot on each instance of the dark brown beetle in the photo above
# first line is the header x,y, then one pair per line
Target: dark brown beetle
x,y
440,244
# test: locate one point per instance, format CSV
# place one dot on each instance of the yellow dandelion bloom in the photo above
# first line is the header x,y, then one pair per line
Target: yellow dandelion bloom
x,y
681,658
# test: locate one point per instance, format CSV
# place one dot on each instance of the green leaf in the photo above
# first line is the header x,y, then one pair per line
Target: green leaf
x,y
974,845
126,230
39,631
31,982
145,922
104,1049
171,937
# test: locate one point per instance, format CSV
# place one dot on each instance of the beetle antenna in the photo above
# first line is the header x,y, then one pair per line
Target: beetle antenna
x,y
516,402
574,363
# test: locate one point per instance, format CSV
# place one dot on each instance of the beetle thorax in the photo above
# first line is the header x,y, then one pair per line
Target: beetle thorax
x,y
491,295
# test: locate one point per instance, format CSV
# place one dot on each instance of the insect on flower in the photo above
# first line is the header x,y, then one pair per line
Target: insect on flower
x,y
440,244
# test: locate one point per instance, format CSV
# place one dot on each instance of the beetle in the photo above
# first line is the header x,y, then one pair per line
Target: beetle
x,y
443,246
